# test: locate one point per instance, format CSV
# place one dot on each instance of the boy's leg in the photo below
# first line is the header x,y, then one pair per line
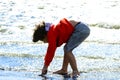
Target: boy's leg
x,y
72,61
64,65
80,33
68,58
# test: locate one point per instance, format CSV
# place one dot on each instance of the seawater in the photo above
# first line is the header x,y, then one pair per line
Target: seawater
x,y
99,52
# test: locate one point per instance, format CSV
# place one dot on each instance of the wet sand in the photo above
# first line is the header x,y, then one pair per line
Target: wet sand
x,y
21,75
98,57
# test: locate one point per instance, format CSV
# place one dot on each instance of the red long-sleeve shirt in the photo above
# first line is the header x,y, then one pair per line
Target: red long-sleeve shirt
x,y
57,35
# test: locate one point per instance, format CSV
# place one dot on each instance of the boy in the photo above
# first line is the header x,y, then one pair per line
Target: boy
x,y
71,32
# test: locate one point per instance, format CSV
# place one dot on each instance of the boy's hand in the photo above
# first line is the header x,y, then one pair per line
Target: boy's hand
x,y
44,70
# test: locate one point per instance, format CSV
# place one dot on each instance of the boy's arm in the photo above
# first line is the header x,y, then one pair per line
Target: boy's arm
x,y
49,57
50,50
50,53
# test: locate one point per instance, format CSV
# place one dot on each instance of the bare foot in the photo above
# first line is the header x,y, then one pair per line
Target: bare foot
x,y
61,72
75,74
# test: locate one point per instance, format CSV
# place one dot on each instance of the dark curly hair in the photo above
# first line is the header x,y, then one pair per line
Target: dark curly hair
x,y
39,32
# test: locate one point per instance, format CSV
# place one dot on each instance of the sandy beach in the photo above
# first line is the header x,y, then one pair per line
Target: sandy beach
x,y
21,75
98,57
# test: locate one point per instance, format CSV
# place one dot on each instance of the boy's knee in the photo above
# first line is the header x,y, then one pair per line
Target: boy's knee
x,y
66,50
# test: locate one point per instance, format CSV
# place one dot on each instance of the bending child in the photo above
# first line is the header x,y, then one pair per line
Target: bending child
x,y
70,32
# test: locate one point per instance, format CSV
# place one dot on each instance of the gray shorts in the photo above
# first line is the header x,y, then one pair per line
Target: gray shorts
x,y
80,33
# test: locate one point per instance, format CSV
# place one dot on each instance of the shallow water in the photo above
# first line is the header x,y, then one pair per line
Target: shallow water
x,y
90,57
97,57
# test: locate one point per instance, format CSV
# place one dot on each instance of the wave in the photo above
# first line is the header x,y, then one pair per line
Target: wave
x,y
19,28
23,55
90,64
26,55
105,25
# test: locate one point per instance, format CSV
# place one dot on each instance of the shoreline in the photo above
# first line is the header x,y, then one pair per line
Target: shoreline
x,y
98,57
26,75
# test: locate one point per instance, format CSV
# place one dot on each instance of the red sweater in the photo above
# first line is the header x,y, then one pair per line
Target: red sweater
x,y
57,35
